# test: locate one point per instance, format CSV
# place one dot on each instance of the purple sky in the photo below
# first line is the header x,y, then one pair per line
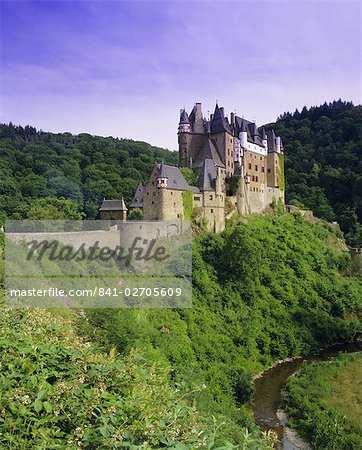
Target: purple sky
x,y
126,68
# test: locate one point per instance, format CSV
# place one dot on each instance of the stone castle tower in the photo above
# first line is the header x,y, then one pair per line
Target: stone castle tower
x,y
257,158
220,152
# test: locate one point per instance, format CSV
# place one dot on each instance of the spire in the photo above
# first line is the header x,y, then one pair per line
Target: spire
x,y
184,118
162,177
162,171
184,125
217,112
207,176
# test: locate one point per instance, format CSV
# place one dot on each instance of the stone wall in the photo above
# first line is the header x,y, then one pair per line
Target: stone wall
x,y
212,208
252,201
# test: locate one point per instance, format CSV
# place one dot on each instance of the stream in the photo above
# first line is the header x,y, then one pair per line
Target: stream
x,y
268,395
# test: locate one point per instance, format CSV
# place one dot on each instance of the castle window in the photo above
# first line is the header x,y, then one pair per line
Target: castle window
x,y
262,169
269,170
171,193
250,166
256,168
153,202
210,197
252,178
197,198
256,179
211,210
261,158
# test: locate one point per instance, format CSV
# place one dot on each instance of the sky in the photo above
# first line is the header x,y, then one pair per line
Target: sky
x,y
125,68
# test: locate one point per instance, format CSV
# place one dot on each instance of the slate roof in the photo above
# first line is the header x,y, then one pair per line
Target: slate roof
x,y
272,141
207,176
113,205
251,129
176,180
162,170
219,123
184,118
209,151
137,201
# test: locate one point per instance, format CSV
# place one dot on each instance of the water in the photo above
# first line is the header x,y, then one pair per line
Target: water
x,y
268,395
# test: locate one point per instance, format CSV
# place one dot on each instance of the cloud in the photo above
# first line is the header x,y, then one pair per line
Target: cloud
x,y
125,68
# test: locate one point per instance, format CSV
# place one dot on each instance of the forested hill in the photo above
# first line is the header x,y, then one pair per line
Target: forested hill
x,y
323,148
323,155
83,168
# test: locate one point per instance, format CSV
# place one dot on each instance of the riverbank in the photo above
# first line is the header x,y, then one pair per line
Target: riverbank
x,y
269,389
313,355
324,403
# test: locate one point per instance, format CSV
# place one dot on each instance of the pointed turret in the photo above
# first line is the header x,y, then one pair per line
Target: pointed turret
x,y
184,125
219,122
162,178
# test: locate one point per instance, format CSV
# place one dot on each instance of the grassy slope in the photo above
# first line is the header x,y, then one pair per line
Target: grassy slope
x,y
59,390
263,290
324,403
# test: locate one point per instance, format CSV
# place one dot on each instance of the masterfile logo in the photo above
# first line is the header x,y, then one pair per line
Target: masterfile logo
x,y
88,264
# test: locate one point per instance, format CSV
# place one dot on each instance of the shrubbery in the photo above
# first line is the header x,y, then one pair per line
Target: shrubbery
x,y
263,290
312,410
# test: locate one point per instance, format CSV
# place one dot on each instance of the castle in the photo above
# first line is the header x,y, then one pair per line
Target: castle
x,y
226,156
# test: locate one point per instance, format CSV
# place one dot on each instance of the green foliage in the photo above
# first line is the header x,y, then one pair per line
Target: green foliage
x,y
317,414
135,214
187,199
263,290
59,391
281,174
51,208
323,162
232,184
83,168
190,175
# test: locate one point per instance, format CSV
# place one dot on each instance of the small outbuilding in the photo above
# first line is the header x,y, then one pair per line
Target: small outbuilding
x,y
113,210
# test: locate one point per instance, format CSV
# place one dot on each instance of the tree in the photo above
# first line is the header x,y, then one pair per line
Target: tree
x,y
52,208
135,214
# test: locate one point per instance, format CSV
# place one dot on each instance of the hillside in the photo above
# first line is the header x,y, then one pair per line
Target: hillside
x,y
83,168
267,288
323,160
263,290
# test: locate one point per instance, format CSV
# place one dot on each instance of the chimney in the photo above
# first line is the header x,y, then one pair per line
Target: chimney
x,y
222,112
211,117
232,118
